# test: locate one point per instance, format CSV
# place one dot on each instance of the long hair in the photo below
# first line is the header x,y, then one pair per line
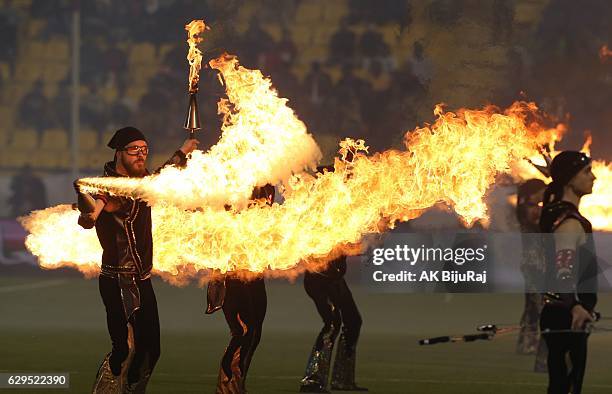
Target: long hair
x,y
524,191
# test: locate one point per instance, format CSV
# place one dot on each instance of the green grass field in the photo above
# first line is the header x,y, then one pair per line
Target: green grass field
x,y
56,323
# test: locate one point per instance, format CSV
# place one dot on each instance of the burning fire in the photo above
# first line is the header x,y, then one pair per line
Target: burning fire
x,y
194,36
262,142
455,160
76,246
596,206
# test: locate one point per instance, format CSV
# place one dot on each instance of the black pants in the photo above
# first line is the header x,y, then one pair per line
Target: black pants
x,y
145,322
244,308
336,306
560,380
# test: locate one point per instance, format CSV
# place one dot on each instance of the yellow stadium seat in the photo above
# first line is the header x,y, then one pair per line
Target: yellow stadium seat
x,y
4,70
3,137
88,139
109,93
321,35
6,118
136,92
335,10
55,139
50,89
143,53
24,139
274,30
28,71
14,158
300,70
391,34
301,35
94,159
34,50
164,49
308,12
57,49
47,159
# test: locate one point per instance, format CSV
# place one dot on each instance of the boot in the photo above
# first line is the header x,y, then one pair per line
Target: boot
x,y
343,375
139,386
317,369
233,384
108,383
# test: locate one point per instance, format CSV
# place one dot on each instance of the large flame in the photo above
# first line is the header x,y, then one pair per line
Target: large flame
x,y
74,247
262,142
595,206
454,161
195,29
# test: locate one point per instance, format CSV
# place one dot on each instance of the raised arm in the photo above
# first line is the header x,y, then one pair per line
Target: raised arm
x,y
179,158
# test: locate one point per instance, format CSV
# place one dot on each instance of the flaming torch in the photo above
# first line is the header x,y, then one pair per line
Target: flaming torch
x,y
194,36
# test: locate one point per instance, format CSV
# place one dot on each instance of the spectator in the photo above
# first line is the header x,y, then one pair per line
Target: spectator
x,y
34,109
93,109
256,42
372,46
350,85
281,55
8,32
501,21
317,84
115,62
61,105
28,192
421,66
342,45
445,12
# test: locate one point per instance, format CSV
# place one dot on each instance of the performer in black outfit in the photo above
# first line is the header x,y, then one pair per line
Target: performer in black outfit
x,y
337,308
533,263
123,226
571,270
244,304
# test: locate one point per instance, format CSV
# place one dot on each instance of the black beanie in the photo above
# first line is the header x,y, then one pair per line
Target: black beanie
x,y
124,136
562,169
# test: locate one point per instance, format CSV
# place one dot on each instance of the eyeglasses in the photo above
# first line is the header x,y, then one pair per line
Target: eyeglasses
x,y
134,150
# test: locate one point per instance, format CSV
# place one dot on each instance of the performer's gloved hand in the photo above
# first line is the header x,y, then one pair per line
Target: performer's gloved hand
x,y
86,220
580,317
189,146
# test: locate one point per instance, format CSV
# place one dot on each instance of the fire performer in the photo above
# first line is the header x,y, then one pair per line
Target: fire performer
x,y
244,303
572,271
336,306
123,226
528,211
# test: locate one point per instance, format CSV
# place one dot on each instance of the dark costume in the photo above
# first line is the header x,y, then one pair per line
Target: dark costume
x,y
572,277
533,266
126,289
244,306
336,306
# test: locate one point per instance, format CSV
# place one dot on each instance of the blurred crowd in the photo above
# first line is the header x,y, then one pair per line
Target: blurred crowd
x,y
374,96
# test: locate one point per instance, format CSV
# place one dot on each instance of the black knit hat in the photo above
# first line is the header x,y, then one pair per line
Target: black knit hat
x,y
124,136
562,169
